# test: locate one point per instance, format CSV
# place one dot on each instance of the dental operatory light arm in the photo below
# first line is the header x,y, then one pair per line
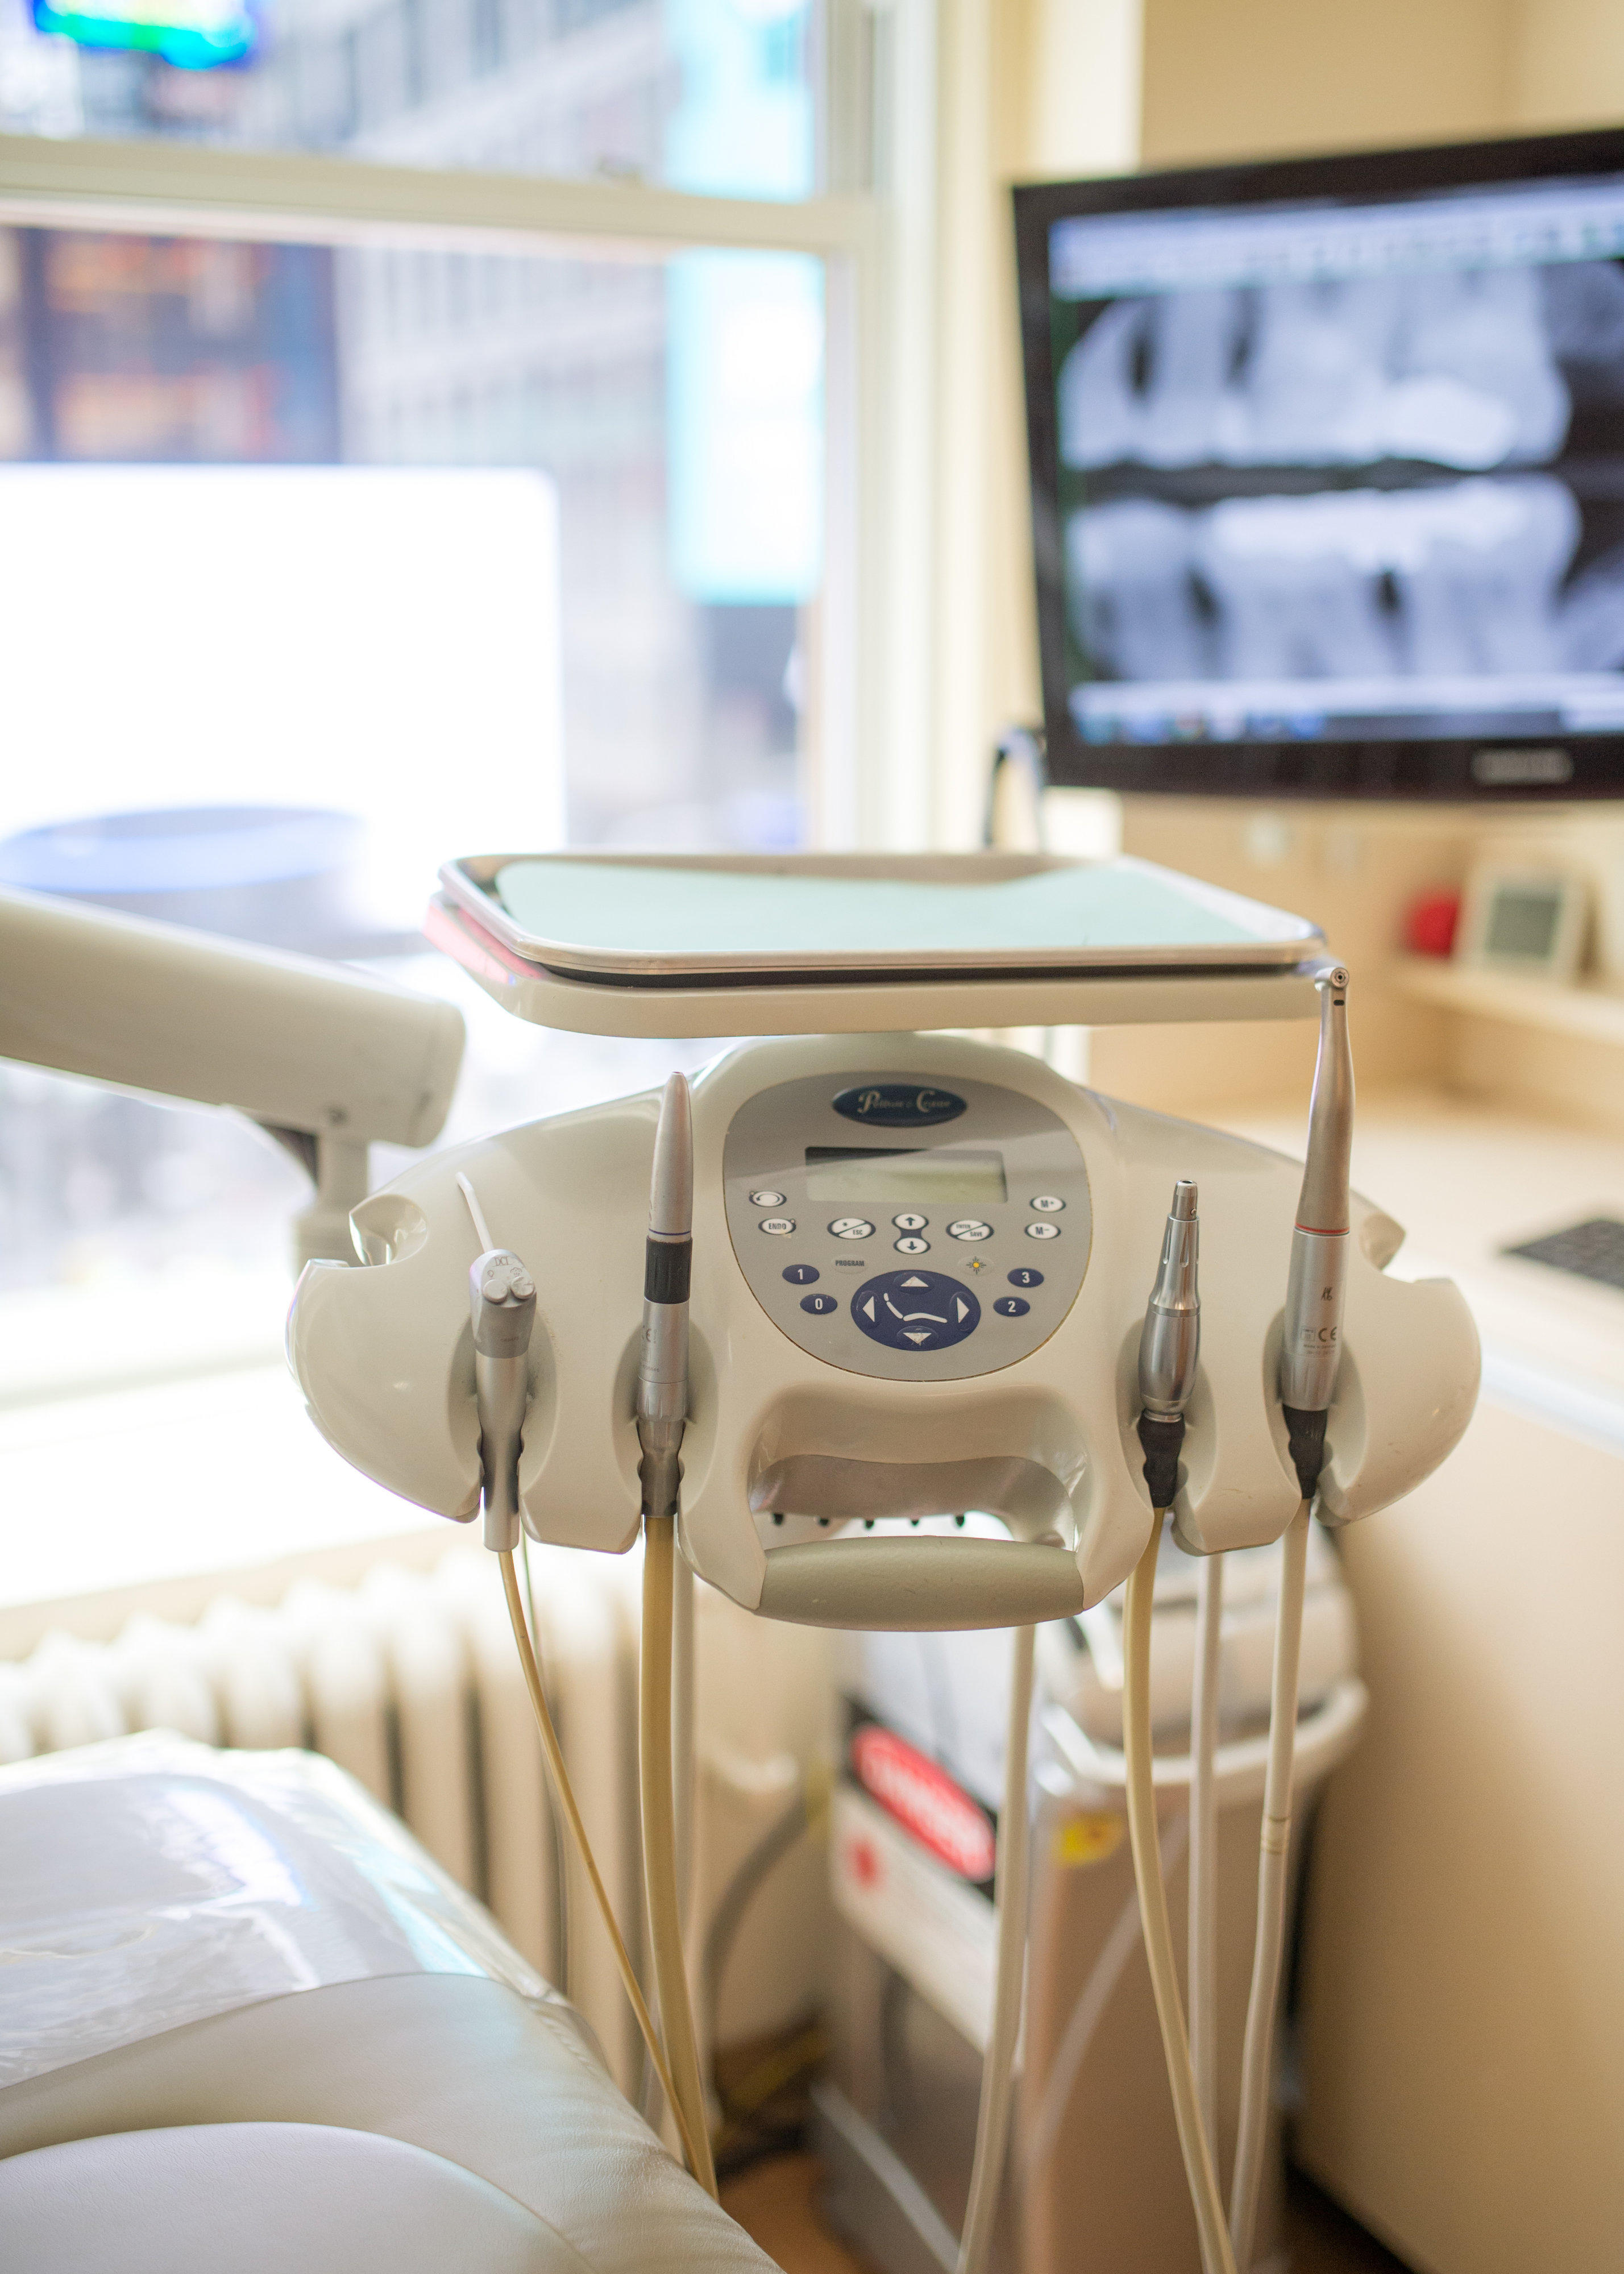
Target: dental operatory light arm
x,y
328,1060
1169,1345
662,1418
502,1296
1311,1351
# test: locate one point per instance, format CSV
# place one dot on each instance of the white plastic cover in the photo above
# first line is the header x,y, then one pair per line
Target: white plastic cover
x,y
152,1881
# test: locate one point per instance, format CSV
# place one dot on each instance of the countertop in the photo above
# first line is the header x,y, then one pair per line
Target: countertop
x,y
1466,1181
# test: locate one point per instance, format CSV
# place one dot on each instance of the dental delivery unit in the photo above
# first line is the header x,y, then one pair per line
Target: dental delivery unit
x,y
869,1278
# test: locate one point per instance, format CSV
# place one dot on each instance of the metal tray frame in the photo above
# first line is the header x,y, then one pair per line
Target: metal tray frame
x,y
898,1004
468,882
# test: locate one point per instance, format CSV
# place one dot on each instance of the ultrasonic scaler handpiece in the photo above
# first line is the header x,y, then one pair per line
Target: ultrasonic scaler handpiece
x,y
1169,1345
501,1298
1311,1338
661,1369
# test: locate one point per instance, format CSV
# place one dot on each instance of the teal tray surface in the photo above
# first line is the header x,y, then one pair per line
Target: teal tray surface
x,y
612,910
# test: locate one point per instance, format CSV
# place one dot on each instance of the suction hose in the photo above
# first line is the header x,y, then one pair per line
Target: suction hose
x,y
661,1419
1268,1951
1169,1347
564,1793
1310,1359
1201,1970
1010,1890
503,1299
655,1771
1205,2194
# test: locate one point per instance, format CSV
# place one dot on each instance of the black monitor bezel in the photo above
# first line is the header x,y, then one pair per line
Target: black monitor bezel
x,y
1420,771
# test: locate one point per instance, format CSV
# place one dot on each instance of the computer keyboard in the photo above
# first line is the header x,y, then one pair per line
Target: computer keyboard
x,y
1591,1250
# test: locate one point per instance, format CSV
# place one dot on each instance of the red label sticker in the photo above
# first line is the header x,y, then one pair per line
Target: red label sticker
x,y
925,1801
862,1862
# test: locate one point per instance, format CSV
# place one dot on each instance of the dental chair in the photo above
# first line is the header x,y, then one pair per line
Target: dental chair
x,y
247,2022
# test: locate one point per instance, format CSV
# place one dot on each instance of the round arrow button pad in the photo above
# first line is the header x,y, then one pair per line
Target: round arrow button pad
x,y
915,1310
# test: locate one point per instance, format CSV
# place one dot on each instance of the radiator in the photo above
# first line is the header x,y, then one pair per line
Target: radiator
x,y
411,1683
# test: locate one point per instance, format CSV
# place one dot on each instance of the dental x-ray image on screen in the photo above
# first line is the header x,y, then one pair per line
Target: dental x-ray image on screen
x,y
1329,472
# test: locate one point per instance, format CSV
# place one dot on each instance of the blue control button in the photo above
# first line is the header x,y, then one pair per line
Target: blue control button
x,y
820,1306
1010,1307
915,1310
1022,1278
800,1275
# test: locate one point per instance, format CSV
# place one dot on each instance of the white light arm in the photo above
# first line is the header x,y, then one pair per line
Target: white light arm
x,y
328,1058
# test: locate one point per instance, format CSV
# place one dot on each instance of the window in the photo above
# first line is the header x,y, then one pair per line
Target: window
x,y
649,451
695,93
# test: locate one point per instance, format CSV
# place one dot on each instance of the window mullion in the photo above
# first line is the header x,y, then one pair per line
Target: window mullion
x,y
165,188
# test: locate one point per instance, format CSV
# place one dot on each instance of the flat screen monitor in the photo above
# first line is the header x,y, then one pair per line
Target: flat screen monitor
x,y
1327,472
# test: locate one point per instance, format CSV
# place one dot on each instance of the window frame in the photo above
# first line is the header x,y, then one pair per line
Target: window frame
x,y
866,780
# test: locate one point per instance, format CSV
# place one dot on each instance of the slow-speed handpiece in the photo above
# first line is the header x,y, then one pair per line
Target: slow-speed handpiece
x,y
662,1370
1169,1345
502,1306
1311,1342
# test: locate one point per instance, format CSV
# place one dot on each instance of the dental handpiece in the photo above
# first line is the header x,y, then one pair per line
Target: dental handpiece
x,y
1311,1341
1170,1344
661,1369
502,1304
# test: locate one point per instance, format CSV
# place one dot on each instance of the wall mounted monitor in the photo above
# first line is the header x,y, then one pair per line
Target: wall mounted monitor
x,y
1327,472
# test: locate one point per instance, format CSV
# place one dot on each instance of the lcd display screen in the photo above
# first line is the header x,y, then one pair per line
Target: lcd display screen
x,y
937,1177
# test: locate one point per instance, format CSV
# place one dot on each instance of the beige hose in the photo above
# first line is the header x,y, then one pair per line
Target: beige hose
x,y
1010,1890
564,1793
1201,1970
659,1842
1216,2257
1257,2057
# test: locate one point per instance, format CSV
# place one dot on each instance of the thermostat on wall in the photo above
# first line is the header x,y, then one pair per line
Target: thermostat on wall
x,y
1527,920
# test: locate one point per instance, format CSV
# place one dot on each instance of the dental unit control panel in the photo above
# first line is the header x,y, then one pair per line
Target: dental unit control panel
x,y
905,1229
902,1390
